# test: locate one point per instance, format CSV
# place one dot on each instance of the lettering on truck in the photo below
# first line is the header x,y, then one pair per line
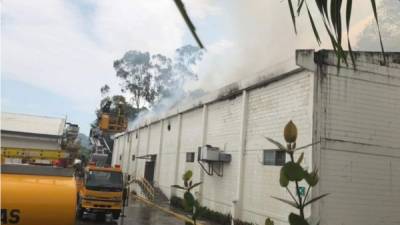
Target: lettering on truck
x,y
10,216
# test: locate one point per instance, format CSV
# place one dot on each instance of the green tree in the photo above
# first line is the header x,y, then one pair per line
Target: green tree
x,y
130,112
152,77
105,90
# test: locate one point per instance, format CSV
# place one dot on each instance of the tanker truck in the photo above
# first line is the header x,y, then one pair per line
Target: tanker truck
x,y
37,182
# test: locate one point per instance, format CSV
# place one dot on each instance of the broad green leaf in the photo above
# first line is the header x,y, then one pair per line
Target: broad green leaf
x,y
189,199
295,219
283,180
294,204
315,199
312,178
293,171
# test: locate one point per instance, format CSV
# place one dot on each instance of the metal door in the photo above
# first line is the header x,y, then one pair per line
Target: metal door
x,y
149,171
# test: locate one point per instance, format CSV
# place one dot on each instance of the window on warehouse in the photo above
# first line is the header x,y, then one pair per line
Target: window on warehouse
x,y
189,156
274,158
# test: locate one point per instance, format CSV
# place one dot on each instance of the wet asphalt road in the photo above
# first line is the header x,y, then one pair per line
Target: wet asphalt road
x,y
136,213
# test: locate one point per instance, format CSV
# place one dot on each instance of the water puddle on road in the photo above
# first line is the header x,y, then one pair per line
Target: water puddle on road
x,y
136,213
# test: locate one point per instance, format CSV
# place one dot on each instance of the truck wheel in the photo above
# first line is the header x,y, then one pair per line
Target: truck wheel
x,y
79,209
79,212
116,214
100,216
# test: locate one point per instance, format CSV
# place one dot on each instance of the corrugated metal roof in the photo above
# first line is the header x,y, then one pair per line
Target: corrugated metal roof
x,y
24,123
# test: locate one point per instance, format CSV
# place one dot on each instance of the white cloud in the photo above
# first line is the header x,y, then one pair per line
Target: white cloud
x,y
52,45
55,45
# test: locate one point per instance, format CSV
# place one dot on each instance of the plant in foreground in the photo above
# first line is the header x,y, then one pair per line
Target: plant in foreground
x,y
190,203
293,172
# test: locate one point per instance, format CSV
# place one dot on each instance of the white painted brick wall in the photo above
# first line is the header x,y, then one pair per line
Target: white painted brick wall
x,y
134,138
125,154
223,131
116,150
168,158
270,108
192,128
142,151
155,138
360,159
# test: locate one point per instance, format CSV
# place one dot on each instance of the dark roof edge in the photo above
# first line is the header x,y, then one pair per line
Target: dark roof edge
x,y
309,59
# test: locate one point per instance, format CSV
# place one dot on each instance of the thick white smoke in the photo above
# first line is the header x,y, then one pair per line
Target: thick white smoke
x,y
258,36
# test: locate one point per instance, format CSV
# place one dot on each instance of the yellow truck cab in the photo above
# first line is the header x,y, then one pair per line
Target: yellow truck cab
x,y
100,191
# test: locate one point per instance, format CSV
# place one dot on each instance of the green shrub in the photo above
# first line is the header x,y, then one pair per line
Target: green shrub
x,y
208,214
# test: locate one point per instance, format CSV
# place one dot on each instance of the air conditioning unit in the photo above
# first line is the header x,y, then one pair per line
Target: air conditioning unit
x,y
208,153
224,157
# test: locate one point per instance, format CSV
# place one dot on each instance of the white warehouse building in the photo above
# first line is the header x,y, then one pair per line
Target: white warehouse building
x,y
352,116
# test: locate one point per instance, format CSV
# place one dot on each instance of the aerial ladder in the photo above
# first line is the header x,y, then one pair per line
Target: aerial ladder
x,y
112,119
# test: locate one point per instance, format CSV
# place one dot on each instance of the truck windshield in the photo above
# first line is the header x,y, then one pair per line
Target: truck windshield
x,y
104,181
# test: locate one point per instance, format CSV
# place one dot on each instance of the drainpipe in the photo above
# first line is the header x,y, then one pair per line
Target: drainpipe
x,y
159,151
238,201
203,142
129,153
177,158
137,152
148,139
125,151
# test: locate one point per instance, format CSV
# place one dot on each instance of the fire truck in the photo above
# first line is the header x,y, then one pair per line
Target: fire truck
x,y
100,186
100,191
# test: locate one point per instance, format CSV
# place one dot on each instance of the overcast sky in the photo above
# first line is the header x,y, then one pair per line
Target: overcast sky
x,y
56,54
